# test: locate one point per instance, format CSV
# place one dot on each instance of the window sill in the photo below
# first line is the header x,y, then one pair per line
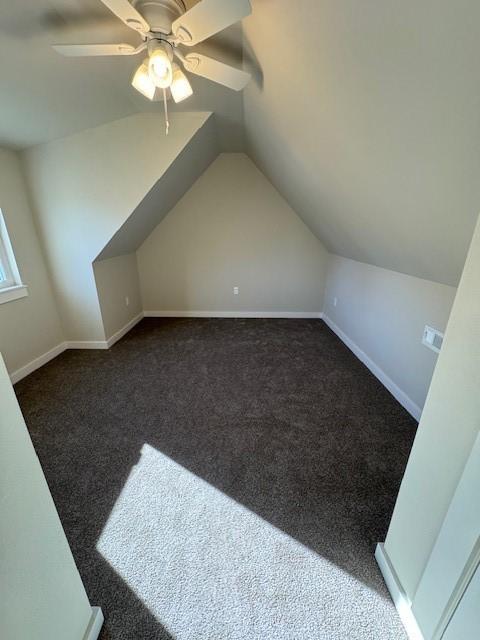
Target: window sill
x,y
13,293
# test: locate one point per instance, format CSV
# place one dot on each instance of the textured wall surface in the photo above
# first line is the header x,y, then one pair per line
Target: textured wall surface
x,y
447,431
29,326
384,313
41,593
84,188
232,229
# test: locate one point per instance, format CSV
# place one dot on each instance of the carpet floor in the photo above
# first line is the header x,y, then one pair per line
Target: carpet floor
x,y
224,479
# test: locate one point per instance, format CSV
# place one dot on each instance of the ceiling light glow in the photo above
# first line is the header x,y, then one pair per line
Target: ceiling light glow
x,y
143,82
160,67
180,87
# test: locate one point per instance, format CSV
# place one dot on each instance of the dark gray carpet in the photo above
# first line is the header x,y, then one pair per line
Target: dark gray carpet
x,y
224,479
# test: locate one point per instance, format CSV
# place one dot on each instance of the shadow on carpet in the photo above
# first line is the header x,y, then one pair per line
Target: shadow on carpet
x,y
224,478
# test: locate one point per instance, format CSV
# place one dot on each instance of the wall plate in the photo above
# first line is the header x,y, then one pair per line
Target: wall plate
x,y
432,338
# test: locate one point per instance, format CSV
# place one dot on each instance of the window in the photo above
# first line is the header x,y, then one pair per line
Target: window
x,y
11,286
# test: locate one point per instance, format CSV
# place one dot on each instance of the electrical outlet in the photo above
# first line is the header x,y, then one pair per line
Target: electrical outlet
x,y
235,291
127,301
334,302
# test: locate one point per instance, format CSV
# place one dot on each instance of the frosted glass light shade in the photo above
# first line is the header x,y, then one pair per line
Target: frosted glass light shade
x,y
180,87
160,68
143,82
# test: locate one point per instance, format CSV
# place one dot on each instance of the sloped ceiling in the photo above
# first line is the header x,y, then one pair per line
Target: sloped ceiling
x,y
84,188
364,115
368,123
46,96
178,178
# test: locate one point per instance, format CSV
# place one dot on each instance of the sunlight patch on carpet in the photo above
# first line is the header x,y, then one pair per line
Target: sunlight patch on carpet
x,y
208,568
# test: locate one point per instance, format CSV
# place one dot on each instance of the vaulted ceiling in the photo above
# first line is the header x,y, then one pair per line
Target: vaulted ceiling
x,y
364,115
368,123
46,96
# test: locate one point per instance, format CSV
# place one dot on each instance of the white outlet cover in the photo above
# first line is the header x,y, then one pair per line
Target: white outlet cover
x,y
235,291
432,338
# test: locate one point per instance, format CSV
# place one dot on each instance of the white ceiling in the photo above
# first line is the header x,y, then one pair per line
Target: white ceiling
x,y
177,179
46,96
364,115
368,123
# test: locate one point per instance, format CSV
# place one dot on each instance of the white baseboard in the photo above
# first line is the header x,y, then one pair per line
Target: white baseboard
x,y
124,330
406,402
87,344
232,314
17,375
399,597
105,344
400,395
24,371
95,624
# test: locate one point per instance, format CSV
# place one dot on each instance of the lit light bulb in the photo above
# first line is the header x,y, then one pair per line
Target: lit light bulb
x,y
180,87
143,82
160,67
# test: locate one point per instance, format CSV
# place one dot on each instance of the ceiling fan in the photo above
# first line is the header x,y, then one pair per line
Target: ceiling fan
x,y
163,26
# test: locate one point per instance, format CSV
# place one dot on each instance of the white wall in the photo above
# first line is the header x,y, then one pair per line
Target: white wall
x,y
454,557
445,437
232,229
465,621
29,327
83,189
117,279
384,313
41,593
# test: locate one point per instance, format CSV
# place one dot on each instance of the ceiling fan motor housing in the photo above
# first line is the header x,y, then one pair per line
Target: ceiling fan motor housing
x,y
159,43
160,13
163,25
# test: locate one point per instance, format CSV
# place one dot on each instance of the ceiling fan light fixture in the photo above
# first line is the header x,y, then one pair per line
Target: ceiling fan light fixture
x,y
163,25
143,82
181,88
160,65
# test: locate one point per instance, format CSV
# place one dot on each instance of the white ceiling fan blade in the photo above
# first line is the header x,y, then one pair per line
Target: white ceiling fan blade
x,y
207,18
75,50
128,14
216,71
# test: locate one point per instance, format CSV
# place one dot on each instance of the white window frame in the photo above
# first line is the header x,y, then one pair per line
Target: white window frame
x,y
12,287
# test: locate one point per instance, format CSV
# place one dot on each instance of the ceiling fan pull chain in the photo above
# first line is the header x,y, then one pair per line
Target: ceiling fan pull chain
x,y
167,123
